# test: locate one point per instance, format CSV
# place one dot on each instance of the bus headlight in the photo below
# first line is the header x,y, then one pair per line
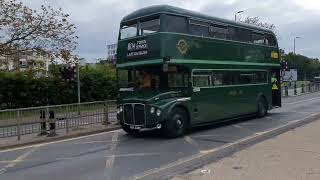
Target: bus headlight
x,y
152,110
158,112
119,110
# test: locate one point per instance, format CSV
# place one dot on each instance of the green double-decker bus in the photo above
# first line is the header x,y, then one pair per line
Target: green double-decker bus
x,y
178,69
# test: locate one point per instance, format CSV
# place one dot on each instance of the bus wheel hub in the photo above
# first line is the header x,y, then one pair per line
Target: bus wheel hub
x,y
179,123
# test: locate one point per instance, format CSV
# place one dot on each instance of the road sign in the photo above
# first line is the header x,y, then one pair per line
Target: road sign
x,y
291,75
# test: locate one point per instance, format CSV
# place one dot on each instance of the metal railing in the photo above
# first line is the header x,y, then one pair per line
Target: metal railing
x,y
303,88
45,119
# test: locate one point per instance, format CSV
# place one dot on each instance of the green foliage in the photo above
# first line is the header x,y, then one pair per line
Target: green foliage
x,y
21,89
307,68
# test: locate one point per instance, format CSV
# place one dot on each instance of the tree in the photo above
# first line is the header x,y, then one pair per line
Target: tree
x,y
46,30
257,22
307,67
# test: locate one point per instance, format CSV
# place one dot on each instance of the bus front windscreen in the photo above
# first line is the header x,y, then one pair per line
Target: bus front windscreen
x,y
139,29
138,80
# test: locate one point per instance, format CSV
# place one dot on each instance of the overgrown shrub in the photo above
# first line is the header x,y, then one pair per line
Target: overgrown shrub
x,y
21,89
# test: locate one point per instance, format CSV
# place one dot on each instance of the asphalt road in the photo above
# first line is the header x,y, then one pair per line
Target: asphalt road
x,y
115,155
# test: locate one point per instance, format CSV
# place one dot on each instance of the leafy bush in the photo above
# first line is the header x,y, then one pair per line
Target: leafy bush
x,y
21,89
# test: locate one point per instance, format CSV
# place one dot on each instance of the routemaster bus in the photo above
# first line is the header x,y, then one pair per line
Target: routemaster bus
x,y
177,69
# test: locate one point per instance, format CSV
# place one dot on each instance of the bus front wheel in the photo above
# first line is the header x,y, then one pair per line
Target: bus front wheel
x,y
262,107
176,124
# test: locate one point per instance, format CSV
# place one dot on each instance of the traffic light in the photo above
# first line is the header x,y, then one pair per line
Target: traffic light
x,y
284,65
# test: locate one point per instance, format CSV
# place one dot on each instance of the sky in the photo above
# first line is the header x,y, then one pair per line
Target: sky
x,y
98,21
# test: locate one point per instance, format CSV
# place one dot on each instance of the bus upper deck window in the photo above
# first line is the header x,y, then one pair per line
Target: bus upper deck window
x,y
258,38
271,40
128,31
149,27
177,24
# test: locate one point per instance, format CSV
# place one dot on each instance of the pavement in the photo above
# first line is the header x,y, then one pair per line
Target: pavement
x,y
116,155
292,155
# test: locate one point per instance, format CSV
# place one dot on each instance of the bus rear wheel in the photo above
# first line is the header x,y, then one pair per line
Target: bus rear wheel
x,y
262,108
177,123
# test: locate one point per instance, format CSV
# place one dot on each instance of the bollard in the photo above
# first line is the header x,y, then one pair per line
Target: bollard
x,y
302,88
19,132
309,87
295,88
67,120
52,124
43,125
105,114
286,91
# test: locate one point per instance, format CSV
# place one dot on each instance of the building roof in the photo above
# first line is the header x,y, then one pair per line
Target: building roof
x,y
166,9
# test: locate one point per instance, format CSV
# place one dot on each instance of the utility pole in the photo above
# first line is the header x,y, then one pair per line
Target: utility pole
x,y
294,44
294,56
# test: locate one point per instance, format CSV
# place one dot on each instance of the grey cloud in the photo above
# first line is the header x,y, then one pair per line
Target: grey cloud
x,y
98,20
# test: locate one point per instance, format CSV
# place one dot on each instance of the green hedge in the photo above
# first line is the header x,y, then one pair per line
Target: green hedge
x,y
18,90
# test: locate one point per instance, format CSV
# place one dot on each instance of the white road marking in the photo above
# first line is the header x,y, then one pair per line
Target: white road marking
x,y
299,112
297,102
240,127
237,126
137,154
2,171
248,123
203,153
207,135
92,142
110,161
19,159
60,141
191,141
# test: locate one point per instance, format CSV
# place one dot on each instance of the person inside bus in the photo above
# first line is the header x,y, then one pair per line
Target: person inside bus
x,y
144,80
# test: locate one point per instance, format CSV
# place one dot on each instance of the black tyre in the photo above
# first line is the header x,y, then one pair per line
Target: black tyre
x,y
127,129
176,124
262,107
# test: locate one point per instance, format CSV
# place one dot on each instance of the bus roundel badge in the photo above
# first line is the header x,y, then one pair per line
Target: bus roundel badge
x,y
182,46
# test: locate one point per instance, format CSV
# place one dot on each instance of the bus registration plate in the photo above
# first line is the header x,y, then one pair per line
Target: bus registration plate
x,y
135,127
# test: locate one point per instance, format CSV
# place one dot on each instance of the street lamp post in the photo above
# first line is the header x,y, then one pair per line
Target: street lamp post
x,y
294,44
235,16
294,53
